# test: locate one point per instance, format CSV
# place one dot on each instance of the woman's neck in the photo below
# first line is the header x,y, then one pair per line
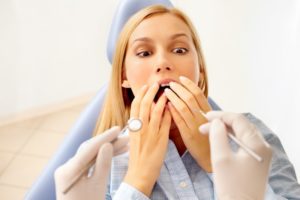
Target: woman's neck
x,y
176,138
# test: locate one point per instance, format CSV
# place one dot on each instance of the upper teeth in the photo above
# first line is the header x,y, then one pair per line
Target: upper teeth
x,y
165,84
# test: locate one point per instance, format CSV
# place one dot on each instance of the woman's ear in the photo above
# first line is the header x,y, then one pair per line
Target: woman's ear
x,y
125,84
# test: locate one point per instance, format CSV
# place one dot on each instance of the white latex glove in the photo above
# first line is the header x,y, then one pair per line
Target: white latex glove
x,y
94,187
237,175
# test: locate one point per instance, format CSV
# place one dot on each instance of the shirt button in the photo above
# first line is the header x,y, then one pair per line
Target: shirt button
x,y
182,184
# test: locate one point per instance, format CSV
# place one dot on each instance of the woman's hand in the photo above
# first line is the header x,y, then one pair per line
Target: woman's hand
x,y
186,99
93,187
237,175
149,145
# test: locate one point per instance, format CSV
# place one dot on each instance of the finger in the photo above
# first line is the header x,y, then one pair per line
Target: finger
x,y
214,115
204,128
238,124
156,115
250,136
165,127
124,149
181,108
180,123
224,116
244,130
219,146
146,103
120,143
196,91
91,147
107,136
185,95
152,107
135,105
103,163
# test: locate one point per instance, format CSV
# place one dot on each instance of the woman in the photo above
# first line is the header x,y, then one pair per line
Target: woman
x,y
159,76
155,59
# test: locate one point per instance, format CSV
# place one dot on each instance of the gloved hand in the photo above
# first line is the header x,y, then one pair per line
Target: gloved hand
x,y
237,175
93,187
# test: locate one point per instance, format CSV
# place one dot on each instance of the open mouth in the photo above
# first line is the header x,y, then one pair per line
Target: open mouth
x,y
160,91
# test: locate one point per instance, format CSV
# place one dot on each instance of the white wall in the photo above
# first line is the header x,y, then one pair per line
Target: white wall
x,y
51,51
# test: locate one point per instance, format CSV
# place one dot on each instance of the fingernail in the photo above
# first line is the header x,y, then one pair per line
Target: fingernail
x,y
106,151
182,78
167,90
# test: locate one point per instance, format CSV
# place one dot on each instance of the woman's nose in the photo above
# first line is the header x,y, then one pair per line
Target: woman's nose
x,y
162,68
163,64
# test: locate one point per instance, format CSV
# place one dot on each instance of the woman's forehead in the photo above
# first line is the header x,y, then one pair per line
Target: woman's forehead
x,y
167,25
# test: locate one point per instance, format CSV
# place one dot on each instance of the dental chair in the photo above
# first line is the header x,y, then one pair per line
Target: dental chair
x,y
44,187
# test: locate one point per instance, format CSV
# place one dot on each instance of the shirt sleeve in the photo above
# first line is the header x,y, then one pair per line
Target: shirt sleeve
x,y
210,176
270,195
126,191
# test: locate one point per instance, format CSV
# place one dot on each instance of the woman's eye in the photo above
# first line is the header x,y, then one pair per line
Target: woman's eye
x,y
144,53
180,50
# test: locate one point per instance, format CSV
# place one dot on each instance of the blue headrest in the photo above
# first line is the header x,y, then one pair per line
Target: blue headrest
x,y
125,10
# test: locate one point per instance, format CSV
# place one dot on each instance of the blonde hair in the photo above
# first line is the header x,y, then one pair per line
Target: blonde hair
x,y
116,107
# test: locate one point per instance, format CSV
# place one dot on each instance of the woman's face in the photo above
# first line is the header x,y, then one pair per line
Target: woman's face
x,y
160,49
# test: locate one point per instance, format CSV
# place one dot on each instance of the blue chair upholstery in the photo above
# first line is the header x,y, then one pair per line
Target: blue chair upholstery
x,y
44,187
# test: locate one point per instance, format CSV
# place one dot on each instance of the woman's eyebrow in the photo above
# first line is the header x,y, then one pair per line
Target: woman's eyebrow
x,y
173,37
147,39
142,39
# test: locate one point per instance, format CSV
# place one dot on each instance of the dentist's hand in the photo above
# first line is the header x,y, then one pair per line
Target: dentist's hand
x,y
93,187
237,175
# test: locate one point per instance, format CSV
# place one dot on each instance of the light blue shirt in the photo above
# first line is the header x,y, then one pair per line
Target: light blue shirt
x,y
182,178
